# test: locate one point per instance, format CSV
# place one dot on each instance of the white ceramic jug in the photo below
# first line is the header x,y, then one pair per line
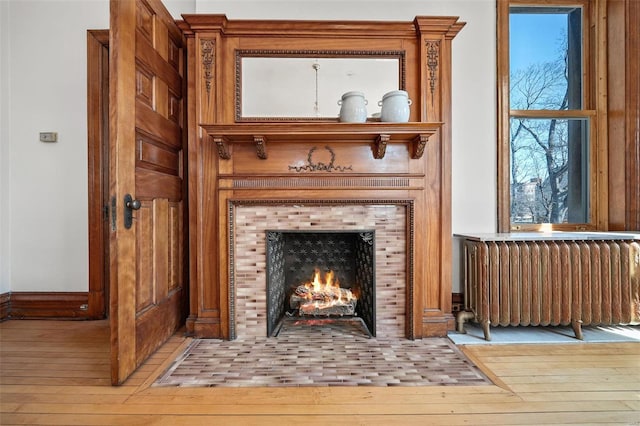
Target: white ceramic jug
x,y
353,107
395,106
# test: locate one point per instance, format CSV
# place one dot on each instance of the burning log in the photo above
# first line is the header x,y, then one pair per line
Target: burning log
x,y
323,303
323,299
303,295
319,309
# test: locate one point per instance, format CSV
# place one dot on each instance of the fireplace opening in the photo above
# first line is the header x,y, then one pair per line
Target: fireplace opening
x,y
319,277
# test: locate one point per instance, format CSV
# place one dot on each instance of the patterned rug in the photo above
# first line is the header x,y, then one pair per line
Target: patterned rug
x,y
321,355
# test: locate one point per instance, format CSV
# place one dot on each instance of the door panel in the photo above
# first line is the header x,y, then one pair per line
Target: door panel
x,y
146,147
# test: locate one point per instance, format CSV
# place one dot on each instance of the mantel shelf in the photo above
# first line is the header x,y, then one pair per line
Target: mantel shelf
x,y
377,133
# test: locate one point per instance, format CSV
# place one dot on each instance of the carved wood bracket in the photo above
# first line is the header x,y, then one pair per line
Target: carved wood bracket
x,y
418,146
223,147
261,147
380,146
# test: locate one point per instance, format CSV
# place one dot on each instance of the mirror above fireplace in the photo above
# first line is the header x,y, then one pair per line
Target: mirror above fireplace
x,y
306,84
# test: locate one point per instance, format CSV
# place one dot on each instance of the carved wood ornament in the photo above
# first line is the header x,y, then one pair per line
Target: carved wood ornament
x,y
207,47
419,144
223,147
380,146
319,166
261,147
433,54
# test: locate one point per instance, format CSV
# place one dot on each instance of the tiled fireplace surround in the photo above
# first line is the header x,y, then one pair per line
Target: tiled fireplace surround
x,y
248,270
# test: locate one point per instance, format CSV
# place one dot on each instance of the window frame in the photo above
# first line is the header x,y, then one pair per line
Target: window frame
x,y
594,109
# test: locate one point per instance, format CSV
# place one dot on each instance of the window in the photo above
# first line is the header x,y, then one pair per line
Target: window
x,y
549,139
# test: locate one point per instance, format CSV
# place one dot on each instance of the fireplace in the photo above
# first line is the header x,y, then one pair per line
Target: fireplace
x,y
320,275
250,175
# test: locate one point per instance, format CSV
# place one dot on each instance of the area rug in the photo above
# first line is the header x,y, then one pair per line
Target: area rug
x,y
558,334
321,355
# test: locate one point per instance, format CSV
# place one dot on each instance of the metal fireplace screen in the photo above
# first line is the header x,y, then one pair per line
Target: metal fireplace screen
x,y
293,257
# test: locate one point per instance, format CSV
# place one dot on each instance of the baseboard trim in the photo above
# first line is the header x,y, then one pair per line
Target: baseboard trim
x,y
67,305
44,305
5,305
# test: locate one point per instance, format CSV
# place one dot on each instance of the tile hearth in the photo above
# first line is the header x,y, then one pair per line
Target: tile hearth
x,y
321,355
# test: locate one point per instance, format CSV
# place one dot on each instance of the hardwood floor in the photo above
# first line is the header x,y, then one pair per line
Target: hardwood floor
x,y
57,372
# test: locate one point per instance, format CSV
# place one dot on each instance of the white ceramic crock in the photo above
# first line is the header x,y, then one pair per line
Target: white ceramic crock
x,y
395,107
353,107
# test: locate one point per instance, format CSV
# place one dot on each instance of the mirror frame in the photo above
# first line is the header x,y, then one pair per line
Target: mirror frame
x,y
400,55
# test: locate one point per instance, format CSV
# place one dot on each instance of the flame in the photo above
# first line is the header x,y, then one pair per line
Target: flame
x,y
327,292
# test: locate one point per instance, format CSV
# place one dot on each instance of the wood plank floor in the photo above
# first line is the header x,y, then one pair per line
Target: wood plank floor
x,y
57,372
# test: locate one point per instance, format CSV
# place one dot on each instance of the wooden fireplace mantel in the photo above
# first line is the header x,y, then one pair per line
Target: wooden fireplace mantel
x,y
415,135
238,163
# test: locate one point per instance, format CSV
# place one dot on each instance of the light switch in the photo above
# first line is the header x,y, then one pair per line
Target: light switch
x,y
48,137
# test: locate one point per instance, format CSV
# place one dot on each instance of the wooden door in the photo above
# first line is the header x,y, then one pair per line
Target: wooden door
x,y
146,162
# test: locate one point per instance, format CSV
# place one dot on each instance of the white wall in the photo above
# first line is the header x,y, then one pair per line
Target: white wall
x,y
5,234
46,189
43,187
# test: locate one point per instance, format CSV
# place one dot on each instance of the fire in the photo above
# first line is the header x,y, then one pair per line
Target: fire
x,y
327,292
324,296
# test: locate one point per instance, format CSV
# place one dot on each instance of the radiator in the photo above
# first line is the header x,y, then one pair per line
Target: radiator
x,y
558,282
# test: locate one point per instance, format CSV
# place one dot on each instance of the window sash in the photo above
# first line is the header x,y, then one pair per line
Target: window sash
x,y
560,190
593,102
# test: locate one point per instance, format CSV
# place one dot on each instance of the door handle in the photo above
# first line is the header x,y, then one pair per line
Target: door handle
x,y
129,206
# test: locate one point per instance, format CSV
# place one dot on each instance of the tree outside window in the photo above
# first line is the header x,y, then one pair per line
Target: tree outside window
x,y
548,136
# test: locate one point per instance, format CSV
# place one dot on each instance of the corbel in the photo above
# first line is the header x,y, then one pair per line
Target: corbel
x,y
418,145
223,147
261,146
380,146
